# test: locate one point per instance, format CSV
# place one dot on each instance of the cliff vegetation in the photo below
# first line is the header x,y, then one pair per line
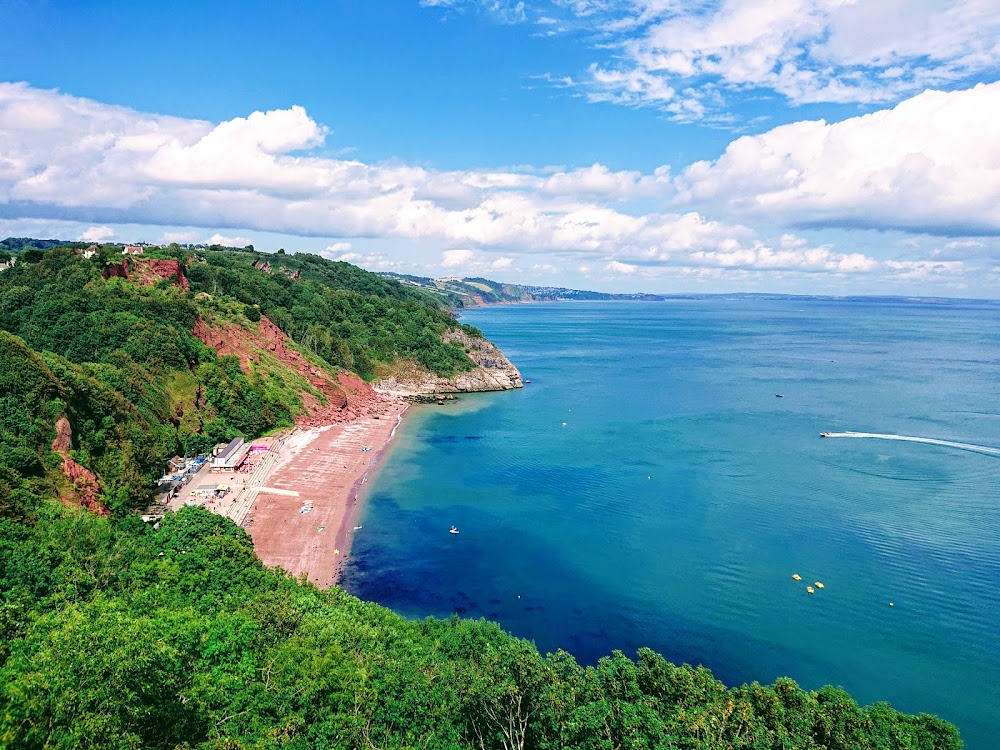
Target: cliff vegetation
x,y
116,635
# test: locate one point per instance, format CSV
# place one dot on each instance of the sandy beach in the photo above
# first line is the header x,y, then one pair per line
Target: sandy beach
x,y
305,508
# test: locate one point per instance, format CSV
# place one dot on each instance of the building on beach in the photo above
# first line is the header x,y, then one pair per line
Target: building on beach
x,y
230,457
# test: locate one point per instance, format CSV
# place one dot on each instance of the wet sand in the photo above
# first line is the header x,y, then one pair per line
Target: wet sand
x,y
320,469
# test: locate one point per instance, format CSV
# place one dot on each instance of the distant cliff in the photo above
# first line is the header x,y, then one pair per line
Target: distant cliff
x,y
459,293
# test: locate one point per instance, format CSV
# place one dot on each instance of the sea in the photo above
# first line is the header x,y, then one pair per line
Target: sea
x,y
663,476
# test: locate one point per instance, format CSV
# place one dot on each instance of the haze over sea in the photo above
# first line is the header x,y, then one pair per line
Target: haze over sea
x,y
675,503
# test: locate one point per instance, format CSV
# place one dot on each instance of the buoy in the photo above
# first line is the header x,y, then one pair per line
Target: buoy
x,y
820,585
796,577
810,590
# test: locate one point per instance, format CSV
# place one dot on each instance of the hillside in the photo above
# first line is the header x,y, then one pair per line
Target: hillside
x,y
114,634
174,351
458,293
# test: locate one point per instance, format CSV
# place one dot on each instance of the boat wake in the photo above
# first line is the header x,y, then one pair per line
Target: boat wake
x,y
984,449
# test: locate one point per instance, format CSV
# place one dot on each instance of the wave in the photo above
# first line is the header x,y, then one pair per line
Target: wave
x,y
984,449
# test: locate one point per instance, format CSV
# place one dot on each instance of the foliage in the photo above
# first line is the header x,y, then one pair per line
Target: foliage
x,y
114,635
120,359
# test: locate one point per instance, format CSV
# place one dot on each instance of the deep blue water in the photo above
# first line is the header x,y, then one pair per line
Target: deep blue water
x,y
680,495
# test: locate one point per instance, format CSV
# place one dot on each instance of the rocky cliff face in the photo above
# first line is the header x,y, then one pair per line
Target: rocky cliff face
x,y
346,397
148,271
493,372
83,486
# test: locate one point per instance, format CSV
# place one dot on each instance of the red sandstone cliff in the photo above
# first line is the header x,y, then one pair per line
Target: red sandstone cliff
x,y
148,271
85,489
347,397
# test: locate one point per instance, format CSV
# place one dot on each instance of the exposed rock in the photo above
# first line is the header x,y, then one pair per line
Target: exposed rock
x,y
148,271
86,491
64,436
346,397
493,372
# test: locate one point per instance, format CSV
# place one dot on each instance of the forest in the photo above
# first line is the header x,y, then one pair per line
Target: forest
x,y
114,634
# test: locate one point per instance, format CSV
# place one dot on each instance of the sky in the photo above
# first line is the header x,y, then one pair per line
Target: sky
x,y
789,146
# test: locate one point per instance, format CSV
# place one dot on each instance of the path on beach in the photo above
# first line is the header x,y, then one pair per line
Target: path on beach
x,y
303,512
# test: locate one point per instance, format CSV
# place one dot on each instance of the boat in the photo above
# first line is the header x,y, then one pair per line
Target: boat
x,y
824,434
526,382
796,577
779,395
810,590
358,527
453,530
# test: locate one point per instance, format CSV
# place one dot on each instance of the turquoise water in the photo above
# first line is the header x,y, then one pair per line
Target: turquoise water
x,y
680,495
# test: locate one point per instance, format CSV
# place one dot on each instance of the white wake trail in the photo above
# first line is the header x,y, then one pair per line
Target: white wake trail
x,y
985,449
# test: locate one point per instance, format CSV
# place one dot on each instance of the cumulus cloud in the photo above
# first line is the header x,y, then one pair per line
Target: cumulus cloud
x,y
97,234
75,159
221,239
456,258
679,57
931,164
618,267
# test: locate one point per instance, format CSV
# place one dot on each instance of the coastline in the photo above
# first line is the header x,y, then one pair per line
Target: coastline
x,y
303,517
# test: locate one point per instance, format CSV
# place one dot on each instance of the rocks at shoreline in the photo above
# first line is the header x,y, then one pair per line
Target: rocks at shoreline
x,y
493,372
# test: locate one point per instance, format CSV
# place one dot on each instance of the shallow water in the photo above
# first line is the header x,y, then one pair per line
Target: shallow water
x,y
680,495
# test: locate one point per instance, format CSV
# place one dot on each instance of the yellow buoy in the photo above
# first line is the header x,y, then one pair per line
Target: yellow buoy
x,y
796,577
819,585
810,590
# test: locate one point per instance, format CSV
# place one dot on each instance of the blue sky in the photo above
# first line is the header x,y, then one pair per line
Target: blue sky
x,y
811,146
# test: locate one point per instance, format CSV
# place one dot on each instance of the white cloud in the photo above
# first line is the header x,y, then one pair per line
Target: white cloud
x,y
180,237
931,164
97,234
922,269
846,51
456,258
221,239
621,268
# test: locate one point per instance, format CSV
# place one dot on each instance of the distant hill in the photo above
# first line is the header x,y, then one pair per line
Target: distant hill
x,y
15,245
472,292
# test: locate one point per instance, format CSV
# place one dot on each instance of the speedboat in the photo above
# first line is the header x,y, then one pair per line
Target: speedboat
x,y
779,395
824,434
453,530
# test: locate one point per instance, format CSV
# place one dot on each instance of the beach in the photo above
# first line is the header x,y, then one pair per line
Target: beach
x,y
303,516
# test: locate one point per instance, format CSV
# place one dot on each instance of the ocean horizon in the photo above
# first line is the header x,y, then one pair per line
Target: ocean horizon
x,y
663,476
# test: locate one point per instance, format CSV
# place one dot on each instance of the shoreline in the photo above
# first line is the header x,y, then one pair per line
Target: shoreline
x,y
305,498
345,534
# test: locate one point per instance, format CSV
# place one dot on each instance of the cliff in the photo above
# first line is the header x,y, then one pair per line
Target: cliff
x,y
493,372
